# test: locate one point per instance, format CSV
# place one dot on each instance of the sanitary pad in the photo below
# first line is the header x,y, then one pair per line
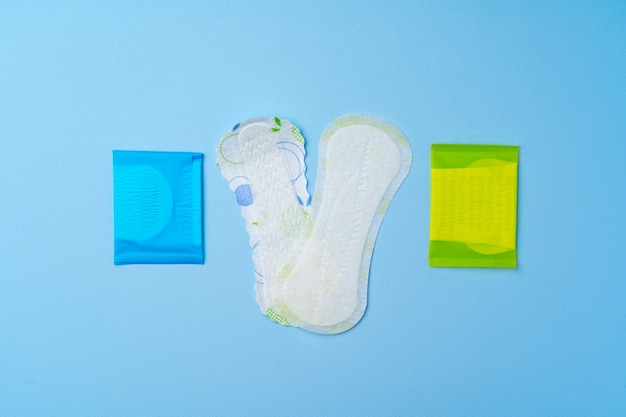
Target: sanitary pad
x,y
158,207
473,206
312,259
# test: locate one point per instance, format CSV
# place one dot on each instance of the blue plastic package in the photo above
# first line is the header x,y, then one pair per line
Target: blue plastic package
x,y
158,207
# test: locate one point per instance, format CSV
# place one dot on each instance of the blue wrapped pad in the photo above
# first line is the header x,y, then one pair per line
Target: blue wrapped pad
x,y
158,207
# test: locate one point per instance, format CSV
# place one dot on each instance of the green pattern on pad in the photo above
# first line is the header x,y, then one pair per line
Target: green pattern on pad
x,y
275,317
296,134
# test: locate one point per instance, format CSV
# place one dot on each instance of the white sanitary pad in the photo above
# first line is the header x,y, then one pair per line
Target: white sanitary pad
x,y
312,261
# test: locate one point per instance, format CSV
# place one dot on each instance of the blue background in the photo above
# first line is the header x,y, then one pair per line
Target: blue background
x,y
81,337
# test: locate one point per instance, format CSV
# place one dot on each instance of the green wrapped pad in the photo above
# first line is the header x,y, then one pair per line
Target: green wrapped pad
x,y
473,206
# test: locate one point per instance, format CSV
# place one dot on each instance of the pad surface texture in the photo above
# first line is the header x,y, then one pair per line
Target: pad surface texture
x,y
312,263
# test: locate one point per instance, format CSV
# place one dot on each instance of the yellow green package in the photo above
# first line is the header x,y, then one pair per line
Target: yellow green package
x,y
473,206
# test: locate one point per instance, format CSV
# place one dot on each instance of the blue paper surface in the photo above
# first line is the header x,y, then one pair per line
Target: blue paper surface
x,y
82,337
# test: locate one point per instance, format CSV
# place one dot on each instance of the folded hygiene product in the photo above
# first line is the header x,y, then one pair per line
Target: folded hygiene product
x,y
158,207
473,206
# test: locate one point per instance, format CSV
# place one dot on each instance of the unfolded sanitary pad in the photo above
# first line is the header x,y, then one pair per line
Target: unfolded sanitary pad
x,y
312,256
